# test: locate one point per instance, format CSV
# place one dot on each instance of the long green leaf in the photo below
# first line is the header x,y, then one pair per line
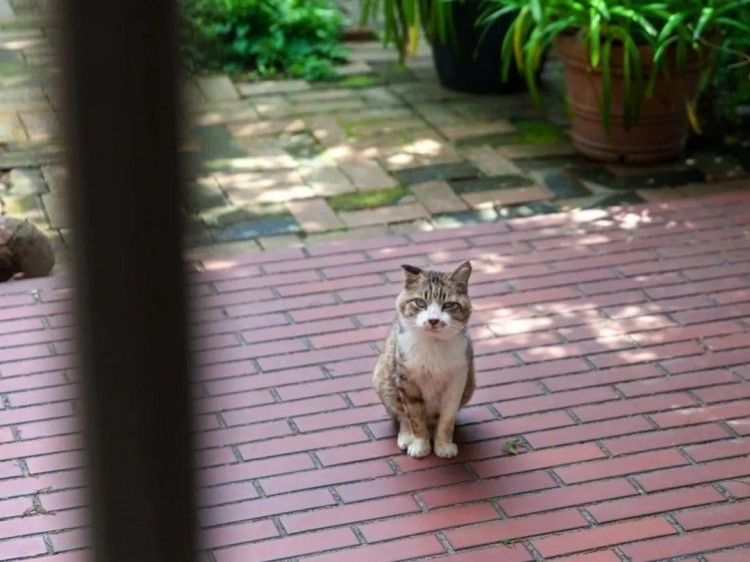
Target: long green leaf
x,y
520,32
634,100
595,38
536,10
367,9
411,24
669,27
601,8
681,55
657,64
530,74
633,16
627,86
742,27
693,116
705,17
485,21
507,53
733,7
532,53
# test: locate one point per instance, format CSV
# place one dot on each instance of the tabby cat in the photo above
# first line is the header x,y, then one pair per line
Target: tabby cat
x,y
425,373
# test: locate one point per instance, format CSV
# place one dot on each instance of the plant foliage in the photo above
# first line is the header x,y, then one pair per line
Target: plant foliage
x,y
294,38
404,20
667,28
731,83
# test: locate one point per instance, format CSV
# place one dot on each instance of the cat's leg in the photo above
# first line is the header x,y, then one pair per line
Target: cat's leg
x,y
405,437
390,394
417,434
471,381
449,406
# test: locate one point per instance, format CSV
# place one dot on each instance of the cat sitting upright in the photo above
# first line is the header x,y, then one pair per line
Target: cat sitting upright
x,y
425,373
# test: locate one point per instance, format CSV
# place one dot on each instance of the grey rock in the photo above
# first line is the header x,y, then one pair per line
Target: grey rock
x,y
25,252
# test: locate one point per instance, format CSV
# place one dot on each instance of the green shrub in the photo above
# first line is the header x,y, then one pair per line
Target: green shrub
x,y
292,38
731,85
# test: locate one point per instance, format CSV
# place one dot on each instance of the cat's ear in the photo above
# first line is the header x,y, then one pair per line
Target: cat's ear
x,y
411,274
462,274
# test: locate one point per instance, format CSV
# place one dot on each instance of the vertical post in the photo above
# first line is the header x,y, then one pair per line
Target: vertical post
x,y
121,137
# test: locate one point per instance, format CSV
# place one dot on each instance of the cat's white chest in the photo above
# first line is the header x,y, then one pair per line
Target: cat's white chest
x,y
424,354
436,365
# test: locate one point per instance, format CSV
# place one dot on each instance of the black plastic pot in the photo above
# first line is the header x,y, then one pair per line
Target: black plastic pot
x,y
463,67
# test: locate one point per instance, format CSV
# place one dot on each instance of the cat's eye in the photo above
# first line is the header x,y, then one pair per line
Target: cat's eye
x,y
420,303
450,305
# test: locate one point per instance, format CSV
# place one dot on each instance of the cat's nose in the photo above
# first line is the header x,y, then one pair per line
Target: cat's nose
x,y
433,321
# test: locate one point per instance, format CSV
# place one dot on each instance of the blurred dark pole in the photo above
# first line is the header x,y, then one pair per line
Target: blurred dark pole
x,y
121,117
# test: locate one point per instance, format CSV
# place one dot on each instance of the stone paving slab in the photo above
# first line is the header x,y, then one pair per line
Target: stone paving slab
x,y
610,421
438,197
250,147
314,215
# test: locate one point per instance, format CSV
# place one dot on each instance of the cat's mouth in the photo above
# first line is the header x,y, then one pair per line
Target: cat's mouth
x,y
438,330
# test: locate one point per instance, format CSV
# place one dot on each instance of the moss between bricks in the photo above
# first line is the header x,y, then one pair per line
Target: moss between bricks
x,y
363,81
368,200
392,71
11,71
395,125
538,132
20,25
530,132
350,131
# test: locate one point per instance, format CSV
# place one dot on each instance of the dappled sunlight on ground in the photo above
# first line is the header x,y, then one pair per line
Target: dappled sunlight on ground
x,y
632,220
601,366
272,161
218,265
420,147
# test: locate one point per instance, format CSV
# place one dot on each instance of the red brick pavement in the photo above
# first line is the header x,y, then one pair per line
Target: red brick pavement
x,y
613,344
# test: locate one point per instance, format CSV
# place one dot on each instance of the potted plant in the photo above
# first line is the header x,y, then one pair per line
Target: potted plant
x,y
633,68
466,55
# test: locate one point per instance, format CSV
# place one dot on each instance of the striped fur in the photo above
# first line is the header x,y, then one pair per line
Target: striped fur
x,y
425,373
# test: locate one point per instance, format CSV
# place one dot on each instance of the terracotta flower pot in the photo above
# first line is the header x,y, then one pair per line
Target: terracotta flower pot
x,y
662,130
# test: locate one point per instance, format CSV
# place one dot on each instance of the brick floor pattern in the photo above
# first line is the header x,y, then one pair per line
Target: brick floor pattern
x,y
611,344
381,149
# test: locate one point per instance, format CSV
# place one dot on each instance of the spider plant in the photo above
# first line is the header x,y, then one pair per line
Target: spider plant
x,y
730,86
404,20
651,35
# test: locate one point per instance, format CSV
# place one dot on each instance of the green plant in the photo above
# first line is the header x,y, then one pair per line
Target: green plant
x,y
649,32
404,20
513,447
731,84
295,38
364,81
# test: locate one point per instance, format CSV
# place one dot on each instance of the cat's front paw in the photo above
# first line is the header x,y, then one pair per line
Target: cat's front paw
x,y
419,448
405,438
446,450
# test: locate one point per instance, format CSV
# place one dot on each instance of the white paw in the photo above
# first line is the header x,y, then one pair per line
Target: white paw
x,y
446,450
405,439
419,448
